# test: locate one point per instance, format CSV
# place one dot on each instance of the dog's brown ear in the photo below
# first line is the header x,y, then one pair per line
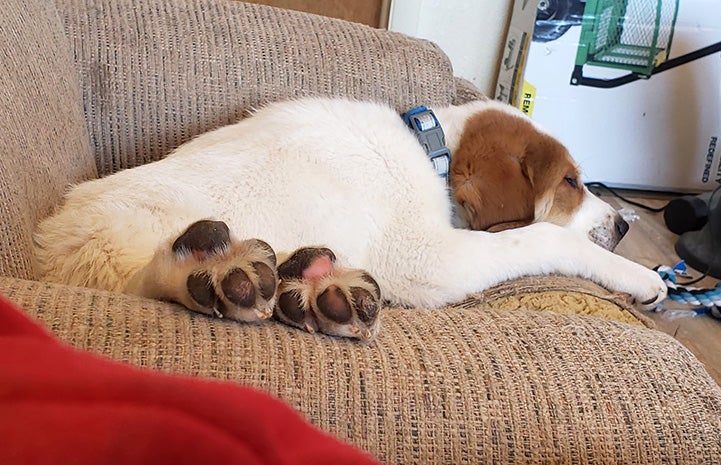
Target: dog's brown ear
x,y
543,165
494,193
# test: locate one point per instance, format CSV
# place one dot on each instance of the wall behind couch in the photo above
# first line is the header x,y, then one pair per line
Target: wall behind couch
x,y
471,32
371,12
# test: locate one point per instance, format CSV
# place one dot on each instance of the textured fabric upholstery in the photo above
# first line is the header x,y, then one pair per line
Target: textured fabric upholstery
x,y
44,144
457,385
156,73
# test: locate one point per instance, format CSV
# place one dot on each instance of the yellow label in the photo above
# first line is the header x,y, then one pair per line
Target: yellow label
x,y
528,98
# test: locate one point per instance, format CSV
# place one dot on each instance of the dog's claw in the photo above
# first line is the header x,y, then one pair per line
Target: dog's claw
x,y
309,328
264,313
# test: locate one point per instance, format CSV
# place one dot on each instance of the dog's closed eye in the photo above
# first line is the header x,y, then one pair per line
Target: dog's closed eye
x,y
573,182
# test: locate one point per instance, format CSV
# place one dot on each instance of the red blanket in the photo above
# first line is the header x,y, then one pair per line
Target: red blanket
x,y
59,405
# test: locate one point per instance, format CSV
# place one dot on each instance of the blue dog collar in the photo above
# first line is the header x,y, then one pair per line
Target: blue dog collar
x,y
428,130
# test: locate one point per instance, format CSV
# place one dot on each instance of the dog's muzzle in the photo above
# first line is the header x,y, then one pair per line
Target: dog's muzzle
x,y
609,235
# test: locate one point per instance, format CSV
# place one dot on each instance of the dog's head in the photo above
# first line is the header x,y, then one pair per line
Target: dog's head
x,y
506,172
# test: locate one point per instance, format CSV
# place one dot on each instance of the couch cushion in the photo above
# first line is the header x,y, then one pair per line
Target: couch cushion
x,y
156,73
456,385
44,143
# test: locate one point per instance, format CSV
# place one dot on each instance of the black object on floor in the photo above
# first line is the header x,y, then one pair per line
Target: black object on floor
x,y
702,249
687,213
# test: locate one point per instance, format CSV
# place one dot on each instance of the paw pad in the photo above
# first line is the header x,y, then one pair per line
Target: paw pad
x,y
203,238
226,277
238,288
315,294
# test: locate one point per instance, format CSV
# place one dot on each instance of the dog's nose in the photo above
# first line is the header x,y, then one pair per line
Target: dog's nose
x,y
621,227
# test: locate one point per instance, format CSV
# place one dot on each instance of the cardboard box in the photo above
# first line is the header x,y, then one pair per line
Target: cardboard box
x,y
632,87
515,52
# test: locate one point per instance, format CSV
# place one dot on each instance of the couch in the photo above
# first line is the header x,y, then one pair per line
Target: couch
x,y
90,87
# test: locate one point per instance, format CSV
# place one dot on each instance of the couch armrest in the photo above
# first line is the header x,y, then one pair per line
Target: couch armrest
x,y
455,385
44,143
156,73
466,91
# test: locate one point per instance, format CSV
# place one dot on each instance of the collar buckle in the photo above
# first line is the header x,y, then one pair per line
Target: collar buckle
x,y
425,125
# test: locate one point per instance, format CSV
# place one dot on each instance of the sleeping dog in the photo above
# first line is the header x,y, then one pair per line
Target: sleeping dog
x,y
308,214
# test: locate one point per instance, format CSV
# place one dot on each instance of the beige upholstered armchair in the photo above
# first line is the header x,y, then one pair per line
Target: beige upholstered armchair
x,y
90,87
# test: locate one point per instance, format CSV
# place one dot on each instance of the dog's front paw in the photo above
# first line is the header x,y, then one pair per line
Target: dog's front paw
x,y
223,276
647,288
316,295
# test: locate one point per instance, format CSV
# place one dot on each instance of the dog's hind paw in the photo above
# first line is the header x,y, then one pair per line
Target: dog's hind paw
x,y
225,277
316,295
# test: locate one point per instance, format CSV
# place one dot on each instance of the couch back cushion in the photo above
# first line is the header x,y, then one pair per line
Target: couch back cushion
x,y
44,142
156,73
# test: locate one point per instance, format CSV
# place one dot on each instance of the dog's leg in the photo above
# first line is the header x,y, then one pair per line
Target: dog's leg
x,y
444,265
317,295
207,270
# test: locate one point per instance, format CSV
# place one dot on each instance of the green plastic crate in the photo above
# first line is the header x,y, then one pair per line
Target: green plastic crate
x,y
633,35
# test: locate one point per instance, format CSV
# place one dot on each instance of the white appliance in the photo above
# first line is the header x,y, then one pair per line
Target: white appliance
x,y
660,133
